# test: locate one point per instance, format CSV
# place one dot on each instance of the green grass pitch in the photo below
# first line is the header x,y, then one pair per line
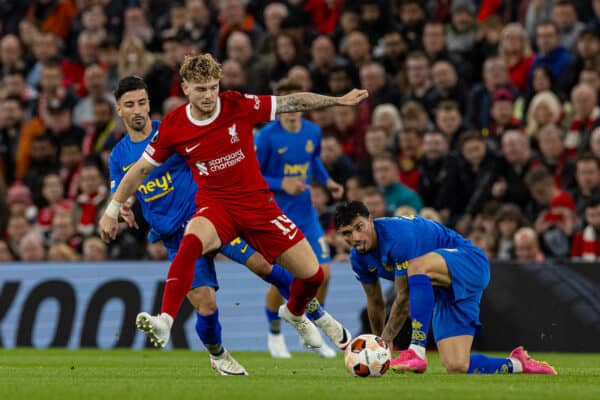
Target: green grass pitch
x,y
174,375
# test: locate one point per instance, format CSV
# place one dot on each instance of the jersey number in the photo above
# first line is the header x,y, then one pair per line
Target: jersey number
x,y
286,226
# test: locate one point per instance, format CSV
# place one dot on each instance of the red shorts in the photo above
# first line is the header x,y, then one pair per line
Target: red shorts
x,y
257,219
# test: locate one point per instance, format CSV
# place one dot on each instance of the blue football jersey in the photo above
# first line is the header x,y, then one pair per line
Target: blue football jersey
x,y
399,240
167,194
286,154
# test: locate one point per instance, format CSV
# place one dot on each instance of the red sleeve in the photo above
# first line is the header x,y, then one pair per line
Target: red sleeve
x,y
259,108
159,148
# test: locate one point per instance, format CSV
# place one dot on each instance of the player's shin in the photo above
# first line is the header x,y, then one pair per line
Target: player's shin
x,y
482,364
181,274
208,328
302,291
421,301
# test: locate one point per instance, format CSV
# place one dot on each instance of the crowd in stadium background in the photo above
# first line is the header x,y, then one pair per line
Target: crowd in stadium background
x,y
483,114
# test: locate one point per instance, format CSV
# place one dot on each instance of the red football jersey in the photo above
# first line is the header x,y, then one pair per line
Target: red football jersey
x,y
219,150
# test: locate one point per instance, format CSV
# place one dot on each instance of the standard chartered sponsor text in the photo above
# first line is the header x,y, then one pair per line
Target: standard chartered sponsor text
x,y
219,164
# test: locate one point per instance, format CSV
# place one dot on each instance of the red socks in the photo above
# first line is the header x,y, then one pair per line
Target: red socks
x,y
302,291
181,274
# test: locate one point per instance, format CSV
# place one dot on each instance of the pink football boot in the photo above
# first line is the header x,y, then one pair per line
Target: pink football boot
x,y
408,361
531,366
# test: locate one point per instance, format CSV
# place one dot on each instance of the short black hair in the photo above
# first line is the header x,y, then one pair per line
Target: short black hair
x,y
593,201
128,84
346,212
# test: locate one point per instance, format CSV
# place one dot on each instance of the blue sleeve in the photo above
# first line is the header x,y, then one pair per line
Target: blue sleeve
x,y
319,171
116,173
263,151
361,272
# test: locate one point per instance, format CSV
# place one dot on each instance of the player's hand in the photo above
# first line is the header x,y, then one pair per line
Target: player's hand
x,y
353,97
336,190
293,185
108,228
499,188
128,216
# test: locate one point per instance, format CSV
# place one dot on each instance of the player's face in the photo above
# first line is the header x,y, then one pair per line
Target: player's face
x,y
134,108
360,234
203,96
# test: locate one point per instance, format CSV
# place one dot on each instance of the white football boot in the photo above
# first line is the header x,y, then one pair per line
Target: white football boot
x,y
324,351
338,335
277,346
305,328
158,328
225,364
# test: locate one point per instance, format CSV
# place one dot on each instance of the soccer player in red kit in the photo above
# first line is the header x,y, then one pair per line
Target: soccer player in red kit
x,y
213,132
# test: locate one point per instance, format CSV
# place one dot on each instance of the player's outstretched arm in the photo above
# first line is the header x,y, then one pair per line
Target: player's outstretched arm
x,y
306,101
132,179
375,307
399,311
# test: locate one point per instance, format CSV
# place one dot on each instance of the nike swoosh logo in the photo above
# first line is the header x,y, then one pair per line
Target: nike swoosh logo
x,y
172,279
282,150
125,168
344,340
293,235
243,250
190,149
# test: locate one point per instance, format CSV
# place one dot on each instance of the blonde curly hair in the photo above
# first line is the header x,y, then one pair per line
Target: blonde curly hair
x,y
200,69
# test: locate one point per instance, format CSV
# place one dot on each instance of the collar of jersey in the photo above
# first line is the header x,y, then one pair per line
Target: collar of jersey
x,y
204,122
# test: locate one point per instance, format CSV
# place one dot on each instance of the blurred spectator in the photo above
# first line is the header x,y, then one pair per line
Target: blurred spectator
x,y
393,57
594,143
18,226
286,53
435,46
11,54
234,76
97,85
467,188
16,86
376,143
233,16
5,253
172,103
462,27
320,199
324,59
544,109
411,18
449,122
418,73
556,221
554,157
54,201
431,214
88,45
503,114
108,56
551,52
46,46
586,242
62,253
12,120
387,117
375,202
586,116
133,58
484,241
106,129
517,160
350,130
94,250
564,15
156,251
31,248
53,16
136,25
515,49
508,220
64,230
339,80
93,194
301,74
527,247
273,14
71,158
338,164
357,50
354,189
587,176
239,48
43,159
410,150
414,116
385,173
433,168
404,211
447,84
381,89
19,201
588,46
199,25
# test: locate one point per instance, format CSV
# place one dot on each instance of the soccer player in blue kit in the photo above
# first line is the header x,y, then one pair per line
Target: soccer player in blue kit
x,y
439,275
288,150
167,200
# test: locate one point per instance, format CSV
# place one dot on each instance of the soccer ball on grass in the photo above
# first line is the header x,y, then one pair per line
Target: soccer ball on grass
x,y
367,356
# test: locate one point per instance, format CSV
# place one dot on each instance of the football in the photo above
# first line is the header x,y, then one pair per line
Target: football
x,y
367,356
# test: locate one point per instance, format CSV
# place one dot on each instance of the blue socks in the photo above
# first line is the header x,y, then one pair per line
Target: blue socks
x,y
480,364
281,278
274,321
314,310
421,298
208,328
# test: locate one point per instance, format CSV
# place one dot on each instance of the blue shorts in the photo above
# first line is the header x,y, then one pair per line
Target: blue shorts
x,y
238,250
316,237
204,271
456,309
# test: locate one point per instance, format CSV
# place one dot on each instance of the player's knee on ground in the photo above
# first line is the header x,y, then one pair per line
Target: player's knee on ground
x,y
203,299
456,366
259,265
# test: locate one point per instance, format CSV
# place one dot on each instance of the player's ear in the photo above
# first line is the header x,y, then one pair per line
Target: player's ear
x,y
184,87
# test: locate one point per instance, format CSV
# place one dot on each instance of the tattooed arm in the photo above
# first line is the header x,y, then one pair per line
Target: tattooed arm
x,y
399,311
306,101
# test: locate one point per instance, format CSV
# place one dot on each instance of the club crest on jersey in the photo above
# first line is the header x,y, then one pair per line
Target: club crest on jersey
x,y
310,147
233,134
